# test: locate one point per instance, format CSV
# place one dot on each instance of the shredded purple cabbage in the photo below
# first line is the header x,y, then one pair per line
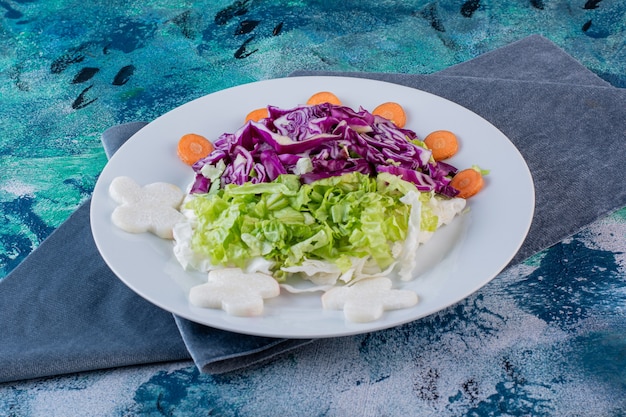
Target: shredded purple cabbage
x,y
336,139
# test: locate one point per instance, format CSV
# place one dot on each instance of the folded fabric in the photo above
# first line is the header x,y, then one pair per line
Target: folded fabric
x,y
75,315
533,58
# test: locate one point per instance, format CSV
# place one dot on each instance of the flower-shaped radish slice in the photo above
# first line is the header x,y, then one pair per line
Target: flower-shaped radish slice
x,y
152,208
236,292
366,300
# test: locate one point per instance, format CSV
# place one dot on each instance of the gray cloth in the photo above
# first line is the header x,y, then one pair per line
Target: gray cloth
x,y
533,58
115,136
76,315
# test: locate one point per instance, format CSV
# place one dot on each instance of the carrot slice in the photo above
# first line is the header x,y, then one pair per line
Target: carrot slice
x,y
193,147
392,111
323,97
468,182
442,143
258,114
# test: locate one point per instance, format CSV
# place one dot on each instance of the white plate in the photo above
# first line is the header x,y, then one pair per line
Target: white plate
x,y
463,258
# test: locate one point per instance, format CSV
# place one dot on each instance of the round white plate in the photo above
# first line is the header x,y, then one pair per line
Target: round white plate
x,y
459,260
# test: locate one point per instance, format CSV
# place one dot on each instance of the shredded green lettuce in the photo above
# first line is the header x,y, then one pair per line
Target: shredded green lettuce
x,y
333,219
480,170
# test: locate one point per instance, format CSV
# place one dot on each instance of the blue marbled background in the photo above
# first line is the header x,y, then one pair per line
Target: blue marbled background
x,y
550,333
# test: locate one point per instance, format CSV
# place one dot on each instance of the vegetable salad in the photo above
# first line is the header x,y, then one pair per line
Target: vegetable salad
x,y
320,192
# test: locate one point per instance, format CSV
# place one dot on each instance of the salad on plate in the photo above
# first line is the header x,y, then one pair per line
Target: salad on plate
x,y
315,198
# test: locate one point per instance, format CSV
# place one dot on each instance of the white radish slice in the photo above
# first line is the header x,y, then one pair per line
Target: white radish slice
x,y
152,208
368,299
236,292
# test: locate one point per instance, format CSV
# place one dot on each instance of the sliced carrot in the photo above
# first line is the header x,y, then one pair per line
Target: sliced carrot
x,y
392,111
468,182
323,97
258,114
193,147
442,143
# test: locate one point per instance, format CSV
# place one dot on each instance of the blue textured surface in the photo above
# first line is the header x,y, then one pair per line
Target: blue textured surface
x,y
69,70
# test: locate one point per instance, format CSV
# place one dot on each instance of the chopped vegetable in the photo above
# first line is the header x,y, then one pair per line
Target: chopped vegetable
x,y
257,115
391,111
338,221
323,97
334,140
468,182
483,172
443,143
236,292
152,208
286,222
193,147
366,300
319,192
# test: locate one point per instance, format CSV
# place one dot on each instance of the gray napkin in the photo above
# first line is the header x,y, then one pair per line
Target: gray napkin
x,y
75,315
